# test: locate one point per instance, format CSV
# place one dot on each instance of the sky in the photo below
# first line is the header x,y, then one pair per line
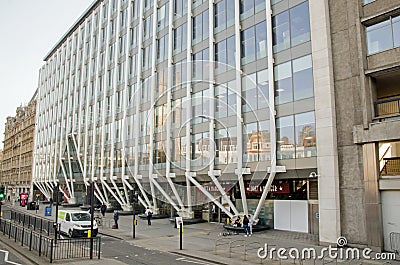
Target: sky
x,y
28,31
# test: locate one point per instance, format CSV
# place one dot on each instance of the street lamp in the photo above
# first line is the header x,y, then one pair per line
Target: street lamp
x,y
56,191
133,198
91,217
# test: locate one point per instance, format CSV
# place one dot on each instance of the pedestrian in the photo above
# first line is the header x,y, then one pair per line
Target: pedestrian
x,y
245,224
116,218
51,202
103,209
237,222
149,214
250,228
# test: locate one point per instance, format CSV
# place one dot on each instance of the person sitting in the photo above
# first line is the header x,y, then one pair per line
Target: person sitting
x,y
237,222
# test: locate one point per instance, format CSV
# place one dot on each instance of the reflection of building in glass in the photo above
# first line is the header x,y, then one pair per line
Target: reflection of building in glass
x,y
175,95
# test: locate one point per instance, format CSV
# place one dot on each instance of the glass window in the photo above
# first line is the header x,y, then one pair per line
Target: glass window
x,y
177,40
220,57
205,24
259,5
196,151
197,28
230,13
303,85
368,1
285,137
299,24
221,141
263,89
232,102
231,52
221,101
197,107
379,37
396,31
206,64
283,83
249,93
163,16
264,141
248,45
246,9
197,66
220,16
250,154
305,135
281,32
261,40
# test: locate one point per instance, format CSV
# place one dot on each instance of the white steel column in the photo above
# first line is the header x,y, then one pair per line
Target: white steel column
x,y
125,205
152,112
137,100
212,99
239,119
211,197
188,102
271,92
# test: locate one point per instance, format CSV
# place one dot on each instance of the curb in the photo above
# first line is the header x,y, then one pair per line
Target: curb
x,y
199,258
109,235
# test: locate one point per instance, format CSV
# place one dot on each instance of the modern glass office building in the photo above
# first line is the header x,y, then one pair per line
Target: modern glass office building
x,y
209,109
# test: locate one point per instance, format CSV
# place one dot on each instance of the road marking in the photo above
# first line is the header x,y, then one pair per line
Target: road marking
x,y
193,261
6,257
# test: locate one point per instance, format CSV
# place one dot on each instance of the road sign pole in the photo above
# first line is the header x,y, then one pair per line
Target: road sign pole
x,y
180,235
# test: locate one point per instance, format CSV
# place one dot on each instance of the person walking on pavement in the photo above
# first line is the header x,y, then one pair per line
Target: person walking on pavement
x,y
116,218
149,214
245,225
250,228
103,209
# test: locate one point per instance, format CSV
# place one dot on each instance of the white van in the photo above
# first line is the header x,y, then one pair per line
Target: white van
x,y
76,223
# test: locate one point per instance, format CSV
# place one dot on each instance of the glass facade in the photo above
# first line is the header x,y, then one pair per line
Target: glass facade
x,y
384,35
130,104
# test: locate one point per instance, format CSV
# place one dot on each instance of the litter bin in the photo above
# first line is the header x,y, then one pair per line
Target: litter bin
x,y
31,206
47,211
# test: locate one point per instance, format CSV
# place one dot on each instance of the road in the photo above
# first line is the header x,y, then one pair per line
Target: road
x,y
128,253
13,256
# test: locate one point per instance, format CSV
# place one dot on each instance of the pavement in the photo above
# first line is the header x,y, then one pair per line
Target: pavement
x,y
204,241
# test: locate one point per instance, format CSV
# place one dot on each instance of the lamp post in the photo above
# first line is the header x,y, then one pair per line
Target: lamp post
x,y
56,192
91,217
133,198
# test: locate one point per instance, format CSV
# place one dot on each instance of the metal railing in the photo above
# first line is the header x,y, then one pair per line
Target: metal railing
x,y
387,108
244,245
45,246
71,248
391,166
29,221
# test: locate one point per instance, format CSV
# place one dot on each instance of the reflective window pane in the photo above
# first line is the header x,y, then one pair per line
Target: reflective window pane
x,y
305,135
285,137
379,37
283,83
281,33
299,24
303,85
261,40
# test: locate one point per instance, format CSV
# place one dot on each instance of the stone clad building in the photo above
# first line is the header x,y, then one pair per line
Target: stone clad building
x,y
18,150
